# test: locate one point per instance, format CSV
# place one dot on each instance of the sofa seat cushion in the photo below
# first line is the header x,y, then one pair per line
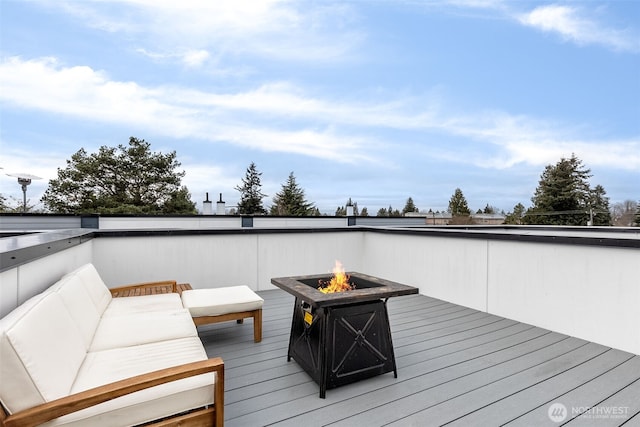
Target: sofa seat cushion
x,y
107,366
219,301
142,328
143,304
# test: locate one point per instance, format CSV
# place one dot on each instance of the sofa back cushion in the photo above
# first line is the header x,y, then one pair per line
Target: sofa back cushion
x,y
16,386
42,351
96,288
80,305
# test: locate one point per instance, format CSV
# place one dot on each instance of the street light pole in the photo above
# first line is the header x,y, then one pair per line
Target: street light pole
x,y
24,179
24,182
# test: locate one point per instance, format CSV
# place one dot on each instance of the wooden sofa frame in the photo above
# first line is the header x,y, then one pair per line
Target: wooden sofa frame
x,y
207,416
76,402
167,286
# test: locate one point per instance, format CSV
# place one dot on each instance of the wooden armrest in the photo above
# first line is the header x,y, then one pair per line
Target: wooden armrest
x,y
76,402
172,283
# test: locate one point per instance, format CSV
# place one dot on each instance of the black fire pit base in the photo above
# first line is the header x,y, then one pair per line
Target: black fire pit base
x,y
341,344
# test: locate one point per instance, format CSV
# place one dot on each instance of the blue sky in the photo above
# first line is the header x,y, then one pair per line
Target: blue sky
x,y
374,100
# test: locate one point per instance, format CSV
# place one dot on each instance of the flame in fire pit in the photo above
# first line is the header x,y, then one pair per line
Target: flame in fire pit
x,y
338,283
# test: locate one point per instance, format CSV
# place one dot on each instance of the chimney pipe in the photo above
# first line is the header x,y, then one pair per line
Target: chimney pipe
x,y
207,208
220,206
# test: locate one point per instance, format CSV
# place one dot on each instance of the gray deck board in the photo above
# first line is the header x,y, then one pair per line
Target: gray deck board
x,y
455,365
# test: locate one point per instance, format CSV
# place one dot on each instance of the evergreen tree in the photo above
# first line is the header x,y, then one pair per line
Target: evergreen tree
x,y
290,200
250,193
563,196
516,216
124,179
599,207
637,220
490,210
354,205
393,212
356,211
342,210
364,212
382,212
409,206
458,204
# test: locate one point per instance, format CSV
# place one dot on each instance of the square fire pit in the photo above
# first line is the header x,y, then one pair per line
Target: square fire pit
x,y
343,337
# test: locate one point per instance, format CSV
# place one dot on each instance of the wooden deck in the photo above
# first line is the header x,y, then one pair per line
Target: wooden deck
x,y
456,366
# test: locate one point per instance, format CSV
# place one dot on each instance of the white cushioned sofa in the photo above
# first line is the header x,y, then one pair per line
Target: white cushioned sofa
x,y
75,356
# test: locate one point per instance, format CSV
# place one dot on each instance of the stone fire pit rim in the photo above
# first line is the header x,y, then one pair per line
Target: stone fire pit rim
x,y
383,289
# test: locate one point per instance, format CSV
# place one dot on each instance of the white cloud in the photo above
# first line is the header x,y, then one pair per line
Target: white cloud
x,y
282,118
273,28
572,25
201,178
45,85
195,58
540,142
189,58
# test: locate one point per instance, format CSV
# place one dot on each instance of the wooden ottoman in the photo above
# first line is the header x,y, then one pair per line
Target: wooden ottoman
x,y
214,305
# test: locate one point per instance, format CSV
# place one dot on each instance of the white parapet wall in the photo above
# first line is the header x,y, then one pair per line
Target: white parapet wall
x,y
584,288
587,291
169,222
20,283
215,260
451,269
208,222
590,292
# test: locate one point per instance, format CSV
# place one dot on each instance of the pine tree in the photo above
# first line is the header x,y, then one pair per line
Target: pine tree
x,y
356,211
290,200
563,196
490,210
409,206
458,204
516,216
250,193
599,207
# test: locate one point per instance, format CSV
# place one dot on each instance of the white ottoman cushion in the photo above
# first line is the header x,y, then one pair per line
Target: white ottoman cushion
x,y
218,301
